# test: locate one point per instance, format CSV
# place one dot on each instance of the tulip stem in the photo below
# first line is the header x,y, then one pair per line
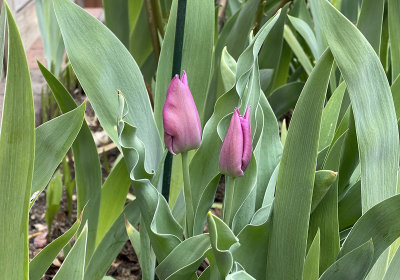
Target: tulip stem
x,y
228,199
188,195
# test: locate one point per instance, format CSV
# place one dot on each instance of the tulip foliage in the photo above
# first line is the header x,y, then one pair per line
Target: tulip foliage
x,y
316,199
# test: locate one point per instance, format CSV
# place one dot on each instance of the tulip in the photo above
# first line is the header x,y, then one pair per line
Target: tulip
x,y
182,128
236,149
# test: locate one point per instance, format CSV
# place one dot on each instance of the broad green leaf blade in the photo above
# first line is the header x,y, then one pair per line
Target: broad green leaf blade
x,y
387,213
395,88
370,21
164,231
113,197
181,265
377,133
307,33
268,149
88,176
330,117
74,264
112,243
53,140
51,35
393,271
222,239
285,97
353,265
105,71
141,49
369,91
141,244
252,252
311,264
292,205
350,206
116,14
349,9
297,49
17,148
394,36
204,205
42,261
323,181
196,55
239,275
324,218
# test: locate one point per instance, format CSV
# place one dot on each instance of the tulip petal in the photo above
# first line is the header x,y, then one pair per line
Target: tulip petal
x,y
180,117
184,79
230,157
247,145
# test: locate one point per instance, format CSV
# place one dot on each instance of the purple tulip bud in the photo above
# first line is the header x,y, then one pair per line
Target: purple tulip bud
x,y
182,128
236,149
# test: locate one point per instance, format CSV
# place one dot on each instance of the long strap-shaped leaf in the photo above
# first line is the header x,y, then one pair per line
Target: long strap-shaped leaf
x,y
17,147
374,112
295,183
372,104
104,66
86,161
42,261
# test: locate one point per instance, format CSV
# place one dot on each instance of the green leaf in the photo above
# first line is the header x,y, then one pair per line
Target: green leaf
x,y
330,117
116,14
393,271
386,212
370,21
394,35
353,265
17,148
181,265
53,140
369,91
297,49
349,9
350,206
239,275
292,205
325,218
112,243
377,133
396,96
222,239
285,97
141,243
307,33
113,197
267,150
42,261
252,252
323,181
53,198
86,162
74,264
164,231
105,71
51,36
311,264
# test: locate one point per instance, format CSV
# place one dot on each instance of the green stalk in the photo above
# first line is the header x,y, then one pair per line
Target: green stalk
x,y
176,69
188,195
229,191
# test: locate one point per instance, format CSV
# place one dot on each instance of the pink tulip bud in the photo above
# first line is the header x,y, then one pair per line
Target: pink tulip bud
x,y
236,149
182,128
